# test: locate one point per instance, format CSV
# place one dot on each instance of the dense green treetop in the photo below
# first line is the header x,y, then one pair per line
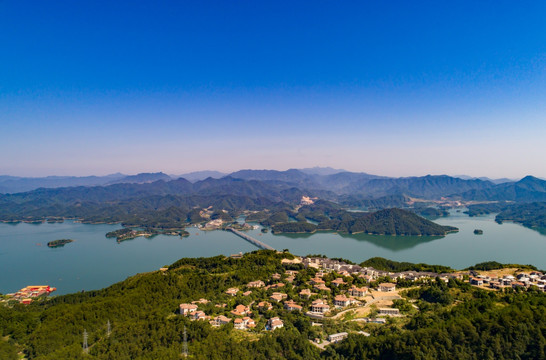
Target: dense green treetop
x,y
380,263
529,214
452,320
494,265
388,222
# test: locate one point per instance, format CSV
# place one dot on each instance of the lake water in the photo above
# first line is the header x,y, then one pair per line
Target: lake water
x,y
94,261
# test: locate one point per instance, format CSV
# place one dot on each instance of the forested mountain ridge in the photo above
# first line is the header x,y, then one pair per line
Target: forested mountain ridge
x,y
210,186
449,320
161,211
529,214
332,186
129,202
175,211
528,189
428,187
388,222
371,186
383,222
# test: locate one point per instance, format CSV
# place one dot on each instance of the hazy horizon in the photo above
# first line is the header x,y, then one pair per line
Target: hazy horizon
x,y
180,173
392,89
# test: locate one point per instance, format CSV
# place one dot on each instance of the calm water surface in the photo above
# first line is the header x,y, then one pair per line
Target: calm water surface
x,y
94,261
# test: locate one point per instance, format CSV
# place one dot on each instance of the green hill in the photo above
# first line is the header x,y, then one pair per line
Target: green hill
x,y
452,320
389,222
531,214
383,222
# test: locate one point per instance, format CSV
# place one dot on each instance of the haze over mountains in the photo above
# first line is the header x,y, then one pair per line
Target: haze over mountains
x,y
337,181
15,184
156,200
289,186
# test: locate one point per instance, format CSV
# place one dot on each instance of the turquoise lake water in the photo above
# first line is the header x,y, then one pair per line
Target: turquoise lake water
x,y
94,261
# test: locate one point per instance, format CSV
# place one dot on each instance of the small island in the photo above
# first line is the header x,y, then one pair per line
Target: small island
x,y
478,232
59,243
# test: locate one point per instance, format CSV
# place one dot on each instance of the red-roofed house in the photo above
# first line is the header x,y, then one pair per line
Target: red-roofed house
x,y
278,296
319,306
291,305
220,320
240,310
356,291
337,282
306,293
198,315
274,323
232,291
265,305
342,300
256,284
186,309
244,323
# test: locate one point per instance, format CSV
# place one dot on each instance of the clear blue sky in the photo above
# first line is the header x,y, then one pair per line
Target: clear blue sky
x,y
388,87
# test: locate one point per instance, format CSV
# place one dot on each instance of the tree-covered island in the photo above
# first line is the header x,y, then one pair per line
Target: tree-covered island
x,y
59,242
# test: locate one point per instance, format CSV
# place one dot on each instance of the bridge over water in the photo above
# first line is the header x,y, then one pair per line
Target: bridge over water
x,y
251,240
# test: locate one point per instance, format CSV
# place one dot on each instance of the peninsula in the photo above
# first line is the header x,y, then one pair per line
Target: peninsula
x,y
129,234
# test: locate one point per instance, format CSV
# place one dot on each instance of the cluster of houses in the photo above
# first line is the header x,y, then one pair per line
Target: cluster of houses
x,y
27,294
521,280
346,294
241,313
241,322
316,288
370,273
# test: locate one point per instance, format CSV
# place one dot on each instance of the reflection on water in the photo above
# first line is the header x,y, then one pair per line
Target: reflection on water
x,y
94,261
299,235
394,243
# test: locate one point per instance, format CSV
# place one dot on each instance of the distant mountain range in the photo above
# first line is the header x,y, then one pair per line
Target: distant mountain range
x,y
527,189
141,178
201,175
328,183
15,184
158,200
321,170
484,178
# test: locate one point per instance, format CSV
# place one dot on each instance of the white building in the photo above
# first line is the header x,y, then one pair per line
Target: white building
x,y
387,287
274,323
389,311
337,337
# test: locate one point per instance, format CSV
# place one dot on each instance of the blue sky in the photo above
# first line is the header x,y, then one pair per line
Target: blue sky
x,y
392,88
